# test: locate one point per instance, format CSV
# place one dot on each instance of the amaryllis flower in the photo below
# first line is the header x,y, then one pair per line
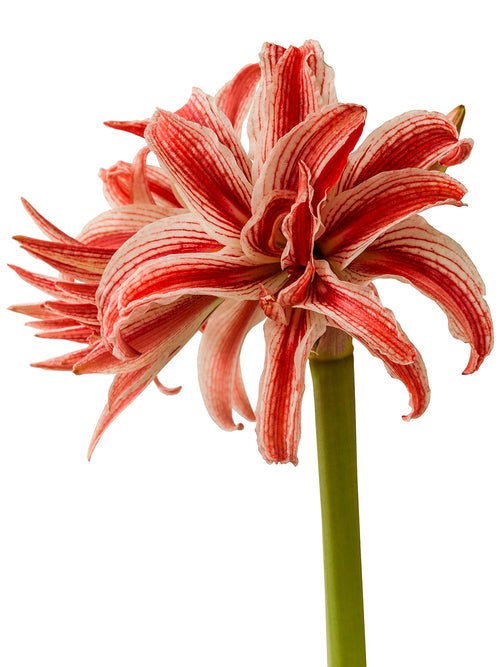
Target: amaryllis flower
x,y
304,225
293,231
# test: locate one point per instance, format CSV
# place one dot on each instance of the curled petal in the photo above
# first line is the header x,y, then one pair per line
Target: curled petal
x,y
436,265
358,311
235,97
205,172
354,218
112,228
170,333
118,186
223,276
282,384
261,237
322,142
219,354
414,139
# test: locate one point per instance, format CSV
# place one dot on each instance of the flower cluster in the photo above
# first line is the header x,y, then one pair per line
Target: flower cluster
x,y
294,231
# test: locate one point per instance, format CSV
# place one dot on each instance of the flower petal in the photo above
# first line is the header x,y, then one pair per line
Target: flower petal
x,y
205,172
235,97
118,188
76,260
202,109
413,139
112,228
219,354
282,384
160,346
436,265
323,142
358,311
354,218
47,227
261,238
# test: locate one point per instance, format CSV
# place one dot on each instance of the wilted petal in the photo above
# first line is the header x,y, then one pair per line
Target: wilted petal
x,y
435,264
354,218
282,384
219,354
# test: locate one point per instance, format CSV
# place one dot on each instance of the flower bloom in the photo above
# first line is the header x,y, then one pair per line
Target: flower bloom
x,y
293,232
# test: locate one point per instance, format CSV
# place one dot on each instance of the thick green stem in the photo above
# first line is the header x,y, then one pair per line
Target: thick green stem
x,y
332,369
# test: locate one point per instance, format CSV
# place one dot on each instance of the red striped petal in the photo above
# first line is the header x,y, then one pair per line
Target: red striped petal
x,y
282,384
435,264
47,227
414,139
205,172
202,109
323,142
219,354
118,188
261,237
234,99
358,311
356,217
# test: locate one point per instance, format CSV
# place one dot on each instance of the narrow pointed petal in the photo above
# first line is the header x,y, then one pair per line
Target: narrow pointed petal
x,y
235,97
31,310
81,292
44,283
414,377
205,172
133,126
166,390
140,192
76,260
51,323
358,311
65,362
50,230
435,264
75,334
322,142
413,139
282,384
354,218
85,313
219,354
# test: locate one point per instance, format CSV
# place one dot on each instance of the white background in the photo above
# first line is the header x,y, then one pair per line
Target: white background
x,y
178,545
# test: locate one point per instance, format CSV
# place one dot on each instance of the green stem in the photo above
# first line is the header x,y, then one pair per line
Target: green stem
x,y
332,370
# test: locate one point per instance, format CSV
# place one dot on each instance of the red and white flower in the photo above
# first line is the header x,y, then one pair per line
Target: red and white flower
x,y
293,231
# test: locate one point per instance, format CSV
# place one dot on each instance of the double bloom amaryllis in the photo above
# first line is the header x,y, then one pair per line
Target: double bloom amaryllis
x,y
294,231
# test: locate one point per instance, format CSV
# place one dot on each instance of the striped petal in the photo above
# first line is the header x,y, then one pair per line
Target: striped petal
x,y
205,172
356,217
202,109
50,230
219,354
414,139
76,260
436,265
358,311
118,185
179,328
322,142
112,228
282,384
235,97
